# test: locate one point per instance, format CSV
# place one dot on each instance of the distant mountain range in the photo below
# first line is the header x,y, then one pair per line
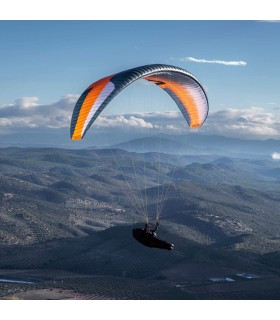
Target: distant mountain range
x,y
188,144
197,144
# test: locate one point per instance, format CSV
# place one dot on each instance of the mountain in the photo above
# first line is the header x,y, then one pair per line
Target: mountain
x,y
185,144
61,193
231,171
66,217
198,144
157,144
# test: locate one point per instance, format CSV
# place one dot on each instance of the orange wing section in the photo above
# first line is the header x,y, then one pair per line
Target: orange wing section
x,y
183,94
90,99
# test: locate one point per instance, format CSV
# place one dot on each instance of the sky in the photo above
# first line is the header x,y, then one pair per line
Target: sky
x,y
46,65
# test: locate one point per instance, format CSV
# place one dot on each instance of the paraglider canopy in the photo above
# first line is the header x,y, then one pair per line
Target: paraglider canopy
x,y
182,86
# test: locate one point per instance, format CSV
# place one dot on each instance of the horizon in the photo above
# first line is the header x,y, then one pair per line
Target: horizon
x,y
139,136
199,144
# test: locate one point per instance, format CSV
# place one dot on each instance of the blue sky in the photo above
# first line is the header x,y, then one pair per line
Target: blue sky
x,y
45,63
48,59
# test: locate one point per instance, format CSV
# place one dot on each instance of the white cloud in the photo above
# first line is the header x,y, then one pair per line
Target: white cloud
x,y
17,122
26,112
244,123
26,102
275,155
249,123
121,120
227,63
151,120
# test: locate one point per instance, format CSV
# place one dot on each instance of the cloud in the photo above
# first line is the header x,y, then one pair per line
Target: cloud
x,y
123,120
249,123
157,121
28,115
227,63
275,156
26,112
244,123
26,102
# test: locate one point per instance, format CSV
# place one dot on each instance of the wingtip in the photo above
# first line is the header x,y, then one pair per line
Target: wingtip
x,y
76,138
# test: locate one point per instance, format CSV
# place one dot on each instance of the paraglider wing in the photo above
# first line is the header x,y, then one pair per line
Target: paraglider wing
x,y
183,87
